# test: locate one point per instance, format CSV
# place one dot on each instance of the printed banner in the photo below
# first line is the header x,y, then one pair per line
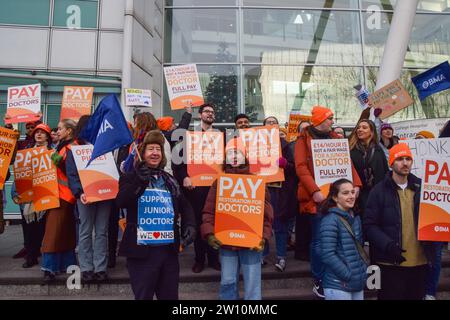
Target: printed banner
x,y
409,129
138,98
76,102
24,103
155,218
183,86
391,99
331,158
294,120
433,80
100,180
8,140
434,210
45,182
205,156
239,215
427,148
264,150
23,174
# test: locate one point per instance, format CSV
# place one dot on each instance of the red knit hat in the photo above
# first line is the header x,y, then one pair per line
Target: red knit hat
x,y
319,114
164,123
43,127
398,151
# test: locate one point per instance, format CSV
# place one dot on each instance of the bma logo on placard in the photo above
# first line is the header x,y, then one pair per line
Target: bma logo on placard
x,y
427,83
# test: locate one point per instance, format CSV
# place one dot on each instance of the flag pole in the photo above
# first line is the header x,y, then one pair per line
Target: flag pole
x,y
137,151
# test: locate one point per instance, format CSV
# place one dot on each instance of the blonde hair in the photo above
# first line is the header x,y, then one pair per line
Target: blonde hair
x,y
69,124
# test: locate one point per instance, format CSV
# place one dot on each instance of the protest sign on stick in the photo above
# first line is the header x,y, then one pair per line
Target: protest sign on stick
x,y
183,86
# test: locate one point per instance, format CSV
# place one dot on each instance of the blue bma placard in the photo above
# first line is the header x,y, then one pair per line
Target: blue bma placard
x,y
155,218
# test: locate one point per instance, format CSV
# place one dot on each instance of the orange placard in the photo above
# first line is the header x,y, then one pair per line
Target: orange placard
x,y
434,210
239,215
8,140
24,103
23,175
100,180
76,102
205,156
294,120
45,183
264,150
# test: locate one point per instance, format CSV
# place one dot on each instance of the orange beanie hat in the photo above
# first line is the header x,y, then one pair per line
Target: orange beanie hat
x,y
164,123
425,134
398,151
319,114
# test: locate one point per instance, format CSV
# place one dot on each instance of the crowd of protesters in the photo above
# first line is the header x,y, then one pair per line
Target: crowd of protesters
x,y
375,213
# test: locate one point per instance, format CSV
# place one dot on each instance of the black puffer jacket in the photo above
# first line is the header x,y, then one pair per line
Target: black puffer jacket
x,y
382,222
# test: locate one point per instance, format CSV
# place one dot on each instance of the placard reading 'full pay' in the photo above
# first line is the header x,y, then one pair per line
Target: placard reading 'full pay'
x,y
239,215
8,140
45,182
100,180
24,103
434,210
331,158
183,86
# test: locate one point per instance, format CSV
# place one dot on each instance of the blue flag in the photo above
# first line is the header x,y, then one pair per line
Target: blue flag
x,y
107,128
432,81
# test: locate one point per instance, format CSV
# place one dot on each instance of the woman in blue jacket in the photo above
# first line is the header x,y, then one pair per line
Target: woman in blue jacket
x,y
341,245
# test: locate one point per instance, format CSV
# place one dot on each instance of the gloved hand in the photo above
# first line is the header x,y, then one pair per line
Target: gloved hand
x,y
56,158
143,172
261,246
188,236
377,112
213,242
282,162
395,253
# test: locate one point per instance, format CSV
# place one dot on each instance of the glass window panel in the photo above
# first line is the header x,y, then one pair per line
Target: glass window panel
x,y
208,3
277,90
66,13
424,5
301,36
220,85
429,44
304,3
201,35
11,207
435,106
26,12
53,113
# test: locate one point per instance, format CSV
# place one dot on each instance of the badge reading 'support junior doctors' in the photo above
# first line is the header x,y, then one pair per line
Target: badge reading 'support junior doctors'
x,y
155,218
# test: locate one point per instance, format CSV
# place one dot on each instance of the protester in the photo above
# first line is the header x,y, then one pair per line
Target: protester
x,y
390,224
55,138
309,194
368,158
387,138
35,222
270,121
197,196
93,217
242,121
339,131
153,269
58,246
234,258
341,242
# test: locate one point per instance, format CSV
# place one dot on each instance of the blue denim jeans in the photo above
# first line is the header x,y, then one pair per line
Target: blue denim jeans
x,y
280,229
317,267
434,271
250,263
93,255
333,294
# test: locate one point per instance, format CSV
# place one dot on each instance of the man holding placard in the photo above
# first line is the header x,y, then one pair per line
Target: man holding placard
x,y
237,219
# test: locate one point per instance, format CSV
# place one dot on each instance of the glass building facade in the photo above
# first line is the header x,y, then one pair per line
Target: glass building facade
x,y
267,58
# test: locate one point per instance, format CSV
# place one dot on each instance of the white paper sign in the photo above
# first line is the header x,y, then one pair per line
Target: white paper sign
x,y
138,97
409,129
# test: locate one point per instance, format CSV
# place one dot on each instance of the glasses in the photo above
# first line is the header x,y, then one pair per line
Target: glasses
x,y
208,111
29,128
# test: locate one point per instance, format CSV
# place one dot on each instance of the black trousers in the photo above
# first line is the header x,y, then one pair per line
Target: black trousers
x,y
158,274
402,283
303,234
113,230
35,232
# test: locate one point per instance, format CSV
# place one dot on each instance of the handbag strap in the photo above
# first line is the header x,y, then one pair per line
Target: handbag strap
x,y
360,248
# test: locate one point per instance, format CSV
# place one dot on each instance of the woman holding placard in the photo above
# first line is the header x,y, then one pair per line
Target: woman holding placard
x,y
151,240
342,250
58,246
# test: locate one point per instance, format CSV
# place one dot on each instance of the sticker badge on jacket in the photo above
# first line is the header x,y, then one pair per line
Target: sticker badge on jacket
x,y
155,218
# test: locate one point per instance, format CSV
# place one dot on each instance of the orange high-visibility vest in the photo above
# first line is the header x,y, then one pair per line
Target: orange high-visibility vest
x,y
63,183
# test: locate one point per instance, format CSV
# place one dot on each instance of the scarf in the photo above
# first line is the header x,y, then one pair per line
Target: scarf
x,y
316,134
171,183
368,152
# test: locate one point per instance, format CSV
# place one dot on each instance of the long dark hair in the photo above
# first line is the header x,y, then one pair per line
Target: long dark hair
x,y
82,122
353,140
329,202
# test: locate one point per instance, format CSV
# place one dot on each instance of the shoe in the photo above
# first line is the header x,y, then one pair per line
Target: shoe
x,y
21,254
263,262
111,261
429,297
302,256
49,277
30,263
101,276
87,277
198,267
280,265
216,266
318,289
